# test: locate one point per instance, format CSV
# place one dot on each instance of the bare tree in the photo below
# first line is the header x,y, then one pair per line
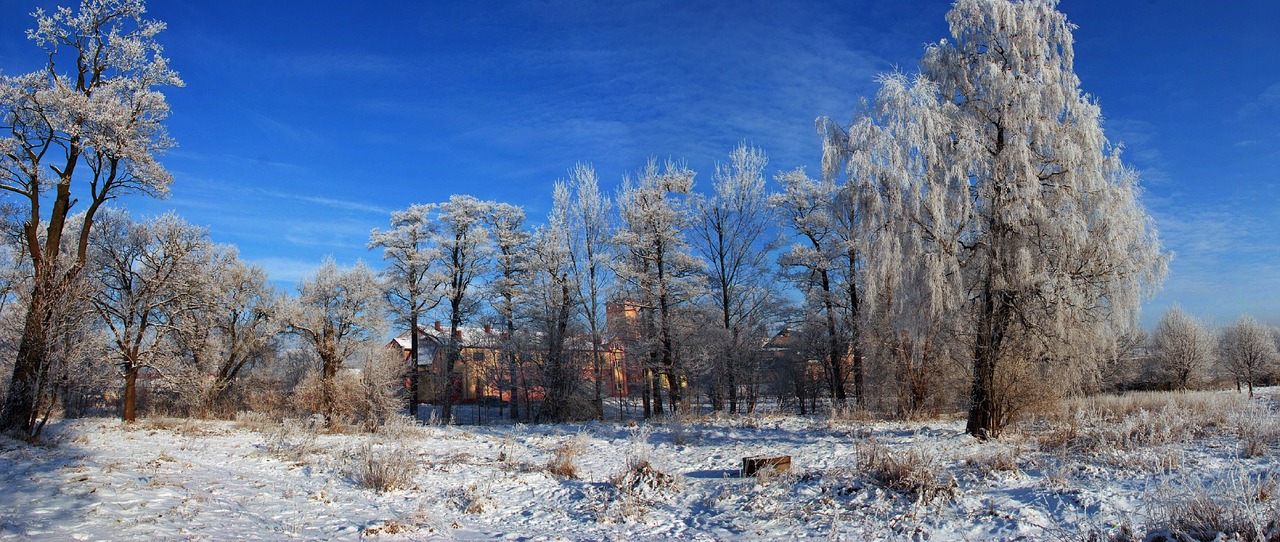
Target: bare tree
x,y
410,285
1181,348
993,163
138,279
730,233
805,205
1247,350
337,313
93,108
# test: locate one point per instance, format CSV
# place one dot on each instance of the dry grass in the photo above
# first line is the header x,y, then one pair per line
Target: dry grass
x,y
640,482
993,459
840,416
383,469
260,422
563,461
913,471
400,427
1258,429
179,426
1234,507
682,429
294,442
1135,421
643,481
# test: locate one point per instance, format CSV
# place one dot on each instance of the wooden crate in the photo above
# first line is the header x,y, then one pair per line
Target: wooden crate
x,y
754,465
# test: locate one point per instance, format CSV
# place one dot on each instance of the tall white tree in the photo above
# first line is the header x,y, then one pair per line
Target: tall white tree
x,y
338,312
730,232
463,241
511,251
589,236
1039,236
656,264
408,281
93,118
552,305
1247,350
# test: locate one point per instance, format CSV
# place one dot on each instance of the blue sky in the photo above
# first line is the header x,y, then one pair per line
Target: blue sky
x,y
303,124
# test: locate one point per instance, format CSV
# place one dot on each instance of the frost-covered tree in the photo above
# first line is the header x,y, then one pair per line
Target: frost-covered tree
x,y
338,312
510,267
408,281
1247,350
589,235
86,128
551,305
227,325
138,275
464,246
656,265
1182,349
804,204
1000,189
730,231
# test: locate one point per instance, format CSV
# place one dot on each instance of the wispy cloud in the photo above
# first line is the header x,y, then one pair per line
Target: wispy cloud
x,y
286,272
338,64
1266,102
1140,140
287,130
1227,261
331,203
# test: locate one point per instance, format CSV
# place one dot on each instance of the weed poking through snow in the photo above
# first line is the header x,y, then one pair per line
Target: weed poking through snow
x,y
384,468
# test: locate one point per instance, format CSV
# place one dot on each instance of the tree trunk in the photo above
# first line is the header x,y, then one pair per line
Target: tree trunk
x,y
674,385
984,416
130,393
657,393
21,402
329,372
413,362
835,368
452,353
645,393
515,389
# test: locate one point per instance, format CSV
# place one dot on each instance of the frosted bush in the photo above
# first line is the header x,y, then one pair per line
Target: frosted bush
x,y
383,468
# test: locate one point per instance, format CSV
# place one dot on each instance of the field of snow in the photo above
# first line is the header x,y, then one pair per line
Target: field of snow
x,y
1120,468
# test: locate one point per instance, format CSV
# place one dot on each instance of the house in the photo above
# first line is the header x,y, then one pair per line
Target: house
x,y
477,373
489,361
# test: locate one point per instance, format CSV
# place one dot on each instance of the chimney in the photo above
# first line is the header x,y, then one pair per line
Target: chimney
x,y
488,328
457,334
438,326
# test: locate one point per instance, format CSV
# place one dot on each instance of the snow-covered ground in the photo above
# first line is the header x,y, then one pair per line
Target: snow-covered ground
x,y
1101,470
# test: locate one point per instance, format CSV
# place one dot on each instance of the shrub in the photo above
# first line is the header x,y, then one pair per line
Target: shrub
x,y
308,396
562,461
1258,430
913,472
639,479
292,441
384,469
1233,507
